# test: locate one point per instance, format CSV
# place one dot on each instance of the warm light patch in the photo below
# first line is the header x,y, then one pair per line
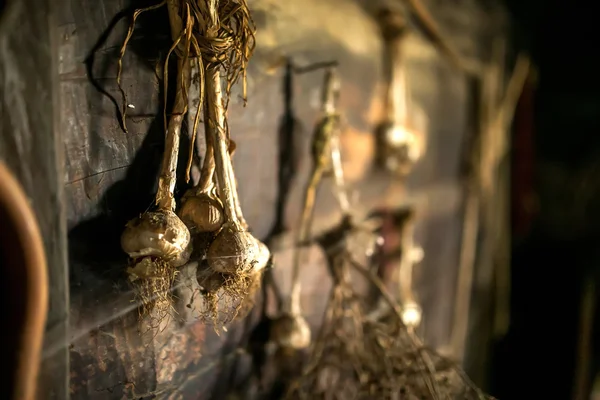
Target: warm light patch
x,y
358,149
411,315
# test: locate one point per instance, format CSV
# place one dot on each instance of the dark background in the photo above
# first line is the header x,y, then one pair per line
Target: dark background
x,y
553,259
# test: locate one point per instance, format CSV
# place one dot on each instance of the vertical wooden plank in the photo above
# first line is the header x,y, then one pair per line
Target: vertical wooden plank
x,y
31,147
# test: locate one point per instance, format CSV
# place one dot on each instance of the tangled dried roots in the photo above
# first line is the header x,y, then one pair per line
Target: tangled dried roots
x,y
151,279
231,45
411,369
354,358
227,297
331,369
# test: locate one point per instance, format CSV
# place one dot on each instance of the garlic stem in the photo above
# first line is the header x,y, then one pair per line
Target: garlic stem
x,y
331,92
207,173
411,310
325,149
216,128
330,95
304,233
218,132
213,10
236,199
405,269
338,174
397,93
434,34
195,93
168,174
174,18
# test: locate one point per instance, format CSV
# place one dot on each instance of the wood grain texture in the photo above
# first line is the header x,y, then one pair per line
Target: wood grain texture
x,y
110,177
31,146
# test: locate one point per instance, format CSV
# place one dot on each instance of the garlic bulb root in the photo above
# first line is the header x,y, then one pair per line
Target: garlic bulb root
x,y
227,297
151,279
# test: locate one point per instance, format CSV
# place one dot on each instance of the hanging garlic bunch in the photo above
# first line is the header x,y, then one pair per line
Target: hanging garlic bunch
x,y
235,259
158,241
399,146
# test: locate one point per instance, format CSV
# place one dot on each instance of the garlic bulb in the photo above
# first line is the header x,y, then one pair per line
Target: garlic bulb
x,y
201,212
291,332
160,234
183,257
233,252
200,209
411,314
405,141
401,148
262,259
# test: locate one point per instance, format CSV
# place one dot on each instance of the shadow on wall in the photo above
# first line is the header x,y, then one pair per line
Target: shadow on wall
x,y
94,245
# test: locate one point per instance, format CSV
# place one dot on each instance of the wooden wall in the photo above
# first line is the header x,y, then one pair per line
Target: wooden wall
x,y
109,176
31,147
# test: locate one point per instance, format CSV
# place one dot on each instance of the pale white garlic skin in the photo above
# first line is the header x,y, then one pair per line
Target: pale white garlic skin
x,y
411,314
201,213
160,234
233,252
291,332
404,146
262,258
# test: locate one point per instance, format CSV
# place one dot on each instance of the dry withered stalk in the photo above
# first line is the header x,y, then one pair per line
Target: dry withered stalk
x,y
434,34
483,194
290,330
355,358
417,370
334,364
158,241
399,146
